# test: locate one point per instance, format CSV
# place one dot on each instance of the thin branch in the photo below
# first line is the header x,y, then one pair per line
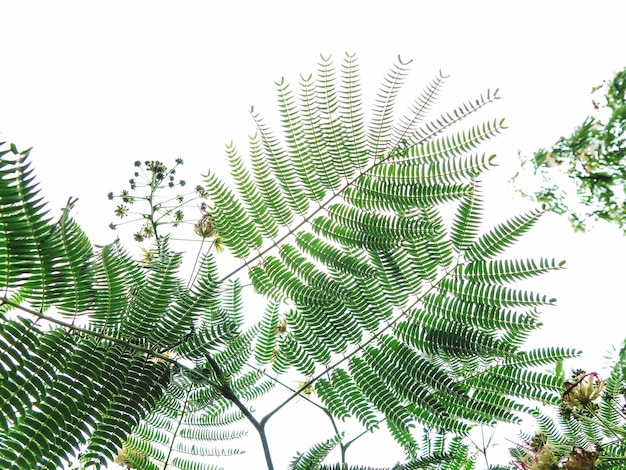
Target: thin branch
x,y
194,274
175,432
228,393
260,427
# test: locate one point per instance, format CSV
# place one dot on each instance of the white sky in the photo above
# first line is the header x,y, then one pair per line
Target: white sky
x,y
94,86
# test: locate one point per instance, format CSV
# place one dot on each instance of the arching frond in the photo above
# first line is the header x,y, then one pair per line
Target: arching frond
x,y
535,385
333,256
375,194
278,161
74,274
268,333
352,115
466,224
24,221
377,392
453,145
251,195
417,111
268,190
313,95
314,457
304,334
50,260
151,300
233,222
331,128
382,126
387,227
309,272
502,236
507,270
116,276
450,171
331,398
436,127
353,399
495,295
297,145
474,315
540,357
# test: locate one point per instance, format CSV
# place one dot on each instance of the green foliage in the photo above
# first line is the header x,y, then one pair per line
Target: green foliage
x,y
593,157
314,457
361,240
70,390
591,420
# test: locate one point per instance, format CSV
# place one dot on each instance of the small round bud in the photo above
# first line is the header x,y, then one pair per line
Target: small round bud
x,y
205,227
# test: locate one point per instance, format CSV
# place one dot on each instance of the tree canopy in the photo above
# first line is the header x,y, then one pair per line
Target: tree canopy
x,y
593,158
357,230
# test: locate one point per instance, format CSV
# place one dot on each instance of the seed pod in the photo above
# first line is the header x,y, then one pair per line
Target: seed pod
x,y
580,459
205,227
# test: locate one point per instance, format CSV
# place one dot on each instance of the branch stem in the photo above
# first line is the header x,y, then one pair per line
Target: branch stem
x,y
228,393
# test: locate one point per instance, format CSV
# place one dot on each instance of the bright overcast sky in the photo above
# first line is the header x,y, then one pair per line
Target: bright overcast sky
x,y
94,86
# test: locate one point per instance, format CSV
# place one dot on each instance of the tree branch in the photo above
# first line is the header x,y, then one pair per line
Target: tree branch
x,y
228,393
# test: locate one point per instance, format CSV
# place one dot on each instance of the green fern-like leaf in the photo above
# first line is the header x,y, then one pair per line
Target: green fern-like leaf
x,y
314,456
508,270
266,342
502,236
530,384
455,144
254,203
26,253
457,170
379,393
267,185
298,148
151,300
498,296
336,258
541,357
377,195
290,189
116,276
353,399
233,223
466,225
73,277
382,125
